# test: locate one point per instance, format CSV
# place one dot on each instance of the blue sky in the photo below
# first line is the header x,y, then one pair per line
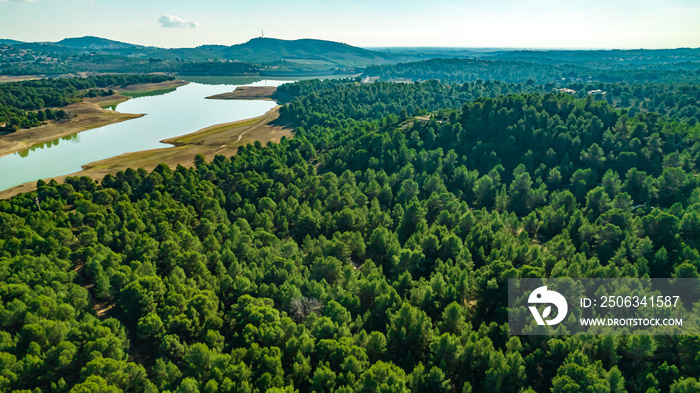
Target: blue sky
x,y
465,23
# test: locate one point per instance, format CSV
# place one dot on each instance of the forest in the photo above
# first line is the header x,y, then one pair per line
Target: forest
x,y
369,253
677,98
509,68
30,103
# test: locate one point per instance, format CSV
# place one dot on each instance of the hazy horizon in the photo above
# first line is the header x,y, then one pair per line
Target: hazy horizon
x,y
475,24
375,48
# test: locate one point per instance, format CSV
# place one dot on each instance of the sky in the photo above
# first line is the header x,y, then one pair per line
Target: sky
x,y
579,24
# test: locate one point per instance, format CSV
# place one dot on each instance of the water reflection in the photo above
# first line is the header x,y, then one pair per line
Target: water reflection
x,y
46,145
149,93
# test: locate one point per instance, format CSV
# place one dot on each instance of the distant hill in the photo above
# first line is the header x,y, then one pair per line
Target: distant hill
x,y
267,50
10,42
90,42
606,58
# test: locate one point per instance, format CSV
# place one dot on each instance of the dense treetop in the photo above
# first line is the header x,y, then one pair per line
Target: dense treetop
x,y
370,253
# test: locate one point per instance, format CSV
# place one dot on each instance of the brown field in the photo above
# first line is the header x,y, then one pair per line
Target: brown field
x,y
222,139
18,78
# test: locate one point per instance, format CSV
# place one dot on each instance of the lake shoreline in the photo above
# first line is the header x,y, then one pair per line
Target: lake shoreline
x,y
150,87
87,115
221,139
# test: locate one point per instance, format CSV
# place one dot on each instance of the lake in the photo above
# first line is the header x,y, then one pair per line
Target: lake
x,y
172,114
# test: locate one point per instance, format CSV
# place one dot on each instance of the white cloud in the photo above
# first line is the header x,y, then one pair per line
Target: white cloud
x,y
167,20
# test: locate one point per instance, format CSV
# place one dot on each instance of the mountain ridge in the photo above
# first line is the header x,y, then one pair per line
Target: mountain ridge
x,y
255,50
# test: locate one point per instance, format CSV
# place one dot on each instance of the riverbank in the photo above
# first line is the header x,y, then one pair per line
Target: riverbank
x,y
85,115
222,139
150,87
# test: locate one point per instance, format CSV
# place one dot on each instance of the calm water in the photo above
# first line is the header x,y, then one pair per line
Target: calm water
x,y
180,112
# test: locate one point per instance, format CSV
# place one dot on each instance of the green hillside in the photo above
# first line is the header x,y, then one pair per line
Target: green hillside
x,y
267,50
90,42
369,253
